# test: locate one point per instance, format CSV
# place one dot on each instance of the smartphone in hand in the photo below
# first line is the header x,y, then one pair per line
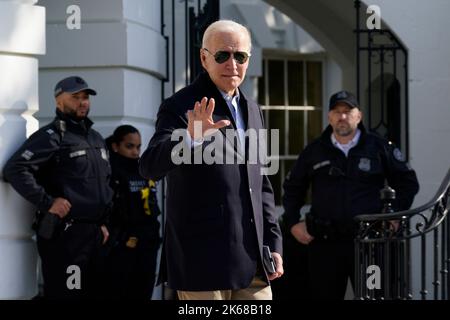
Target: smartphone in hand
x,y
268,261
48,225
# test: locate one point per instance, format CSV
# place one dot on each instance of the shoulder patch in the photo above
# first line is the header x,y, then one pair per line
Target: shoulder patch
x,y
50,131
398,155
27,155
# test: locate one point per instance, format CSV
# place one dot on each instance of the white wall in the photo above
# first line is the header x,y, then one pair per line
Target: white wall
x,y
22,37
118,50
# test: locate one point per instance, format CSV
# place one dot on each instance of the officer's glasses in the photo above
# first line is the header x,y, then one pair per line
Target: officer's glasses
x,y
220,56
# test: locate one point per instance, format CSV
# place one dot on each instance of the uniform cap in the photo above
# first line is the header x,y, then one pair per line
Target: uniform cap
x,y
73,84
343,97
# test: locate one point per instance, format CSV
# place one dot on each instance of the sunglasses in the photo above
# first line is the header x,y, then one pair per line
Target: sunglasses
x,y
240,57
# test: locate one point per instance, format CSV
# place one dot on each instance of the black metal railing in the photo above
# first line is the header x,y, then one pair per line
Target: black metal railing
x,y
395,250
382,79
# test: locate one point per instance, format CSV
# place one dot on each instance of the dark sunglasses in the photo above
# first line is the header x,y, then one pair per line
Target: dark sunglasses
x,y
240,57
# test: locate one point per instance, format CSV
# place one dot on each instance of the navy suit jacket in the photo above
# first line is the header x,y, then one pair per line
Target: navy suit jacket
x,y
218,216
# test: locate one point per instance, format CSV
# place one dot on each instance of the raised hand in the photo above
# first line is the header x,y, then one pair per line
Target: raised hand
x,y
200,122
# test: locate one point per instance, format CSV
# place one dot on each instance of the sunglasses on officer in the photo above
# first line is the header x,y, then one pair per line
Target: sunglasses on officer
x,y
220,56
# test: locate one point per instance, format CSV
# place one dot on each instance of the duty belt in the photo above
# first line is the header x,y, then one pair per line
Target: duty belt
x,y
330,230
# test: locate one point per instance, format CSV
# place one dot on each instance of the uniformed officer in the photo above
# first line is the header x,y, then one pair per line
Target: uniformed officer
x,y
134,228
346,168
63,170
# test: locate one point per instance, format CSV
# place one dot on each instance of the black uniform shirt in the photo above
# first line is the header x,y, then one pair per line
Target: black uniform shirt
x,y
65,159
343,187
132,208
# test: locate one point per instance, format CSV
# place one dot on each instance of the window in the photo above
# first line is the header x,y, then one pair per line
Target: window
x,y
290,94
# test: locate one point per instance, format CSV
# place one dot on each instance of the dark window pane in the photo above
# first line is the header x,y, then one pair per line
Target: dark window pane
x,y
276,181
262,86
295,83
276,82
267,126
287,166
296,132
309,196
290,165
277,121
314,83
314,124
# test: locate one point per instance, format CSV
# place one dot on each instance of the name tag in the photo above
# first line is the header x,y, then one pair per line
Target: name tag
x,y
321,164
77,154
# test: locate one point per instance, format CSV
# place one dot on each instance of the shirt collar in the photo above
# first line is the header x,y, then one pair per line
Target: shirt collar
x,y
228,98
351,143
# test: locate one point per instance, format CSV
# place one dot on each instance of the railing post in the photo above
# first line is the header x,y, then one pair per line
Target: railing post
x,y
360,266
387,196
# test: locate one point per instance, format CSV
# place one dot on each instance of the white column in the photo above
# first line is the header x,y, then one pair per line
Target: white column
x,y
118,50
22,36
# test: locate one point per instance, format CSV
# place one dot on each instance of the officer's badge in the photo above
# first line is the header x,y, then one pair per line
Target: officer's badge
x,y
364,164
398,154
132,242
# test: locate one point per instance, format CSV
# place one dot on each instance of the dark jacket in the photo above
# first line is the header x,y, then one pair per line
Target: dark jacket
x,y
133,211
65,159
218,215
343,187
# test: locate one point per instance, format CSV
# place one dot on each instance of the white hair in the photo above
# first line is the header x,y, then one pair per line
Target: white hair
x,y
225,26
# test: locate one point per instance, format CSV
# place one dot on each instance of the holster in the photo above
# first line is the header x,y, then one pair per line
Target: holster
x,y
326,229
48,225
